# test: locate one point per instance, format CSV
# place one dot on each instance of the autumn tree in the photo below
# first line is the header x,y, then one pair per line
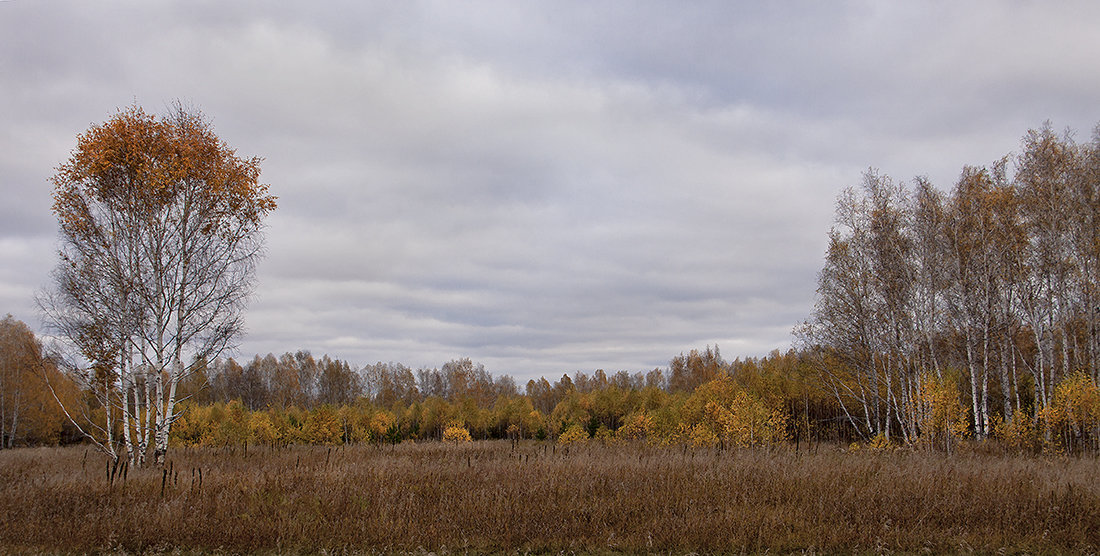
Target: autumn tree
x,y
1047,169
160,230
28,412
863,314
973,276
686,372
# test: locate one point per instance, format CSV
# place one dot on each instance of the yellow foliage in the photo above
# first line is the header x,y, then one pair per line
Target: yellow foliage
x,y
359,424
456,433
747,422
701,436
604,435
721,390
880,443
188,428
235,425
573,435
322,426
679,434
638,426
261,429
1020,432
1073,416
513,431
941,414
534,421
28,411
380,426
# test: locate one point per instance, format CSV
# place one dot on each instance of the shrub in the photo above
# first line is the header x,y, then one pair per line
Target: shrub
x,y
1020,433
702,437
941,414
261,429
573,435
1073,416
456,433
638,426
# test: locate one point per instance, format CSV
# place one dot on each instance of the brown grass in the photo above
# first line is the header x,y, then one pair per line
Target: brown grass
x,y
487,497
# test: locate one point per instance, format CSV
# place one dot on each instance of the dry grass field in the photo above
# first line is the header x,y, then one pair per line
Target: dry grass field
x,y
535,498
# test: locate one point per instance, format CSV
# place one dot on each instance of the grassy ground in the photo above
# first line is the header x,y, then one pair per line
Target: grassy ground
x,y
491,497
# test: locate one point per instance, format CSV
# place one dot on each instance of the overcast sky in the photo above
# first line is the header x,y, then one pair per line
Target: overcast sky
x,y
543,187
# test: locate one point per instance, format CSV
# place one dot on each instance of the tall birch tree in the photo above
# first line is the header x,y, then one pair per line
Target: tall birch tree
x,y
161,229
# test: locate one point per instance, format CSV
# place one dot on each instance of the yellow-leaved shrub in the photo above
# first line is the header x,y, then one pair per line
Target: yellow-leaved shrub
x,y
1073,416
574,434
941,414
456,433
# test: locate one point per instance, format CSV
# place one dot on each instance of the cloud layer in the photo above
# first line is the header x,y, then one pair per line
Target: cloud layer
x,y
542,187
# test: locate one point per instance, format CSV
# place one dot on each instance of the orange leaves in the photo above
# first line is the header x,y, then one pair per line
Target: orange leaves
x,y
140,166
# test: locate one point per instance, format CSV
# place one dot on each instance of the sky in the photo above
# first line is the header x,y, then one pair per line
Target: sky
x,y
543,187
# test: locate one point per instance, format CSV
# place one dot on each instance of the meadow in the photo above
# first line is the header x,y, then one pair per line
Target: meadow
x,y
530,497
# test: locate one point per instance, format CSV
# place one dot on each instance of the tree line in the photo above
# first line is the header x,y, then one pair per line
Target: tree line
x,y
986,293
699,399
296,398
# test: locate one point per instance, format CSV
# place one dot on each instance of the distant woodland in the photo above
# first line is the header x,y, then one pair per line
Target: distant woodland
x,y
944,319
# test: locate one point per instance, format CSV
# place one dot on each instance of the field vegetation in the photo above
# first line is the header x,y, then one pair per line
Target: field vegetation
x,y
519,497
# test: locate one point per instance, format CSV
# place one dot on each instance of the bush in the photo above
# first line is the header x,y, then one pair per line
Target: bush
x,y
456,434
1073,416
573,435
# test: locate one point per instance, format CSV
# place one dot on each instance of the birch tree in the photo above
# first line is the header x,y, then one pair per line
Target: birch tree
x,y
843,318
161,229
970,236
1043,182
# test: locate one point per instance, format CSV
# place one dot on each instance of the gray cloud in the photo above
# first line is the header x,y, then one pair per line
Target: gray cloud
x,y
543,187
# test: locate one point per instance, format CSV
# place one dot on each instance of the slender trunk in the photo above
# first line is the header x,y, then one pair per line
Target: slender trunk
x,y
974,399
1066,337
935,360
160,419
108,411
1006,387
1048,363
1015,378
14,421
899,405
866,415
985,381
127,422
164,424
909,422
1091,310
889,396
875,394
150,412
1038,372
